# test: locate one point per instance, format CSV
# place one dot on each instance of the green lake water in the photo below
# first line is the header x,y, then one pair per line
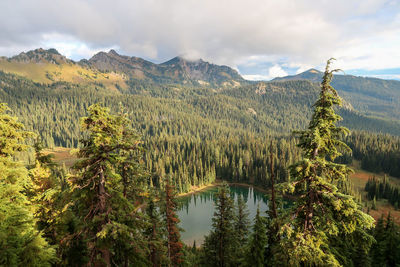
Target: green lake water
x,y
197,210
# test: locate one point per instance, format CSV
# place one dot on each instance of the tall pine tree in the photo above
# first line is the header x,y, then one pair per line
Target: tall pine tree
x,y
155,234
219,245
258,242
241,227
110,221
174,244
321,211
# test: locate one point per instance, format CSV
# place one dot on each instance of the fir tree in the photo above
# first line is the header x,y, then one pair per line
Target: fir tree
x,y
258,242
321,211
377,251
21,244
241,227
155,234
174,244
272,222
110,221
392,243
219,244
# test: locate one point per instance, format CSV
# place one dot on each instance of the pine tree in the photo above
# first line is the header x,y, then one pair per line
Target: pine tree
x,y
321,211
219,244
21,244
392,243
110,222
155,234
174,244
48,192
258,242
377,251
241,227
272,222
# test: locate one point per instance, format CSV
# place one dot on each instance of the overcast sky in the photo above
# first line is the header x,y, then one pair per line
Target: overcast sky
x,y
260,38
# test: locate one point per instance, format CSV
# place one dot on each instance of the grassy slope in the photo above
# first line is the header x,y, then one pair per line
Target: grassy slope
x,y
359,179
62,155
49,73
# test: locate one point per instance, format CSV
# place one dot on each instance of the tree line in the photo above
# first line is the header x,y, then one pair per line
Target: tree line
x,y
117,206
103,212
382,189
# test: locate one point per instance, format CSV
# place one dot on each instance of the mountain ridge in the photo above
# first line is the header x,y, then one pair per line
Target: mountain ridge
x,y
177,70
373,96
125,74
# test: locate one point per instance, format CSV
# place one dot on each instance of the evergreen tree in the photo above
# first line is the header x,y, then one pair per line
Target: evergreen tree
x,y
258,242
44,193
219,245
378,248
241,227
155,234
391,243
110,222
48,192
174,244
272,222
321,211
21,244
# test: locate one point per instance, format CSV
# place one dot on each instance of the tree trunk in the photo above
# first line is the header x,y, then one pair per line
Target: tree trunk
x,y
274,213
105,253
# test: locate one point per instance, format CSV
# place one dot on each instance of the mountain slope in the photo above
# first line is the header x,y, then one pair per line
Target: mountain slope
x,y
202,72
371,96
177,70
54,110
48,66
113,70
205,90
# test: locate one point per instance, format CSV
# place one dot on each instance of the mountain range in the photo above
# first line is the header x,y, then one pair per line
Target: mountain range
x,y
49,92
115,70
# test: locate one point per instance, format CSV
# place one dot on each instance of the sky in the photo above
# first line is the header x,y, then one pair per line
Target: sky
x,y
262,39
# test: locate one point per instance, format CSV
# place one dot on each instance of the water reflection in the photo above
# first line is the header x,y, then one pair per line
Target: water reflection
x,y
196,210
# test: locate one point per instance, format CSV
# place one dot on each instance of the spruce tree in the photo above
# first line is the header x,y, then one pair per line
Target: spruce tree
x,y
321,210
219,245
110,222
272,221
174,244
377,251
21,244
258,242
392,243
241,227
155,234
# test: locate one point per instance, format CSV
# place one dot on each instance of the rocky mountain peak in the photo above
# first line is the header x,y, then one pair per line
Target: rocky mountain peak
x,y
41,55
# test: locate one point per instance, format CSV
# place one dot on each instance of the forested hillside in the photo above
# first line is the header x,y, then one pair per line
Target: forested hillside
x,y
371,96
141,145
230,127
197,132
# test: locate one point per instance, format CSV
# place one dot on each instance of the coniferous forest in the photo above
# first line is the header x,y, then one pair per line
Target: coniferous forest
x,y
135,152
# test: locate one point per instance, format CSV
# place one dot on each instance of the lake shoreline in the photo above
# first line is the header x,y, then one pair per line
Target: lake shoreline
x,y
197,209
217,183
197,189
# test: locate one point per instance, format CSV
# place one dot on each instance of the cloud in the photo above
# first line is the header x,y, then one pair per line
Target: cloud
x,y
277,71
273,72
293,34
256,77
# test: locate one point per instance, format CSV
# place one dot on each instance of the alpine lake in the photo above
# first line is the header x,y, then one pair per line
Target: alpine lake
x,y
197,209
